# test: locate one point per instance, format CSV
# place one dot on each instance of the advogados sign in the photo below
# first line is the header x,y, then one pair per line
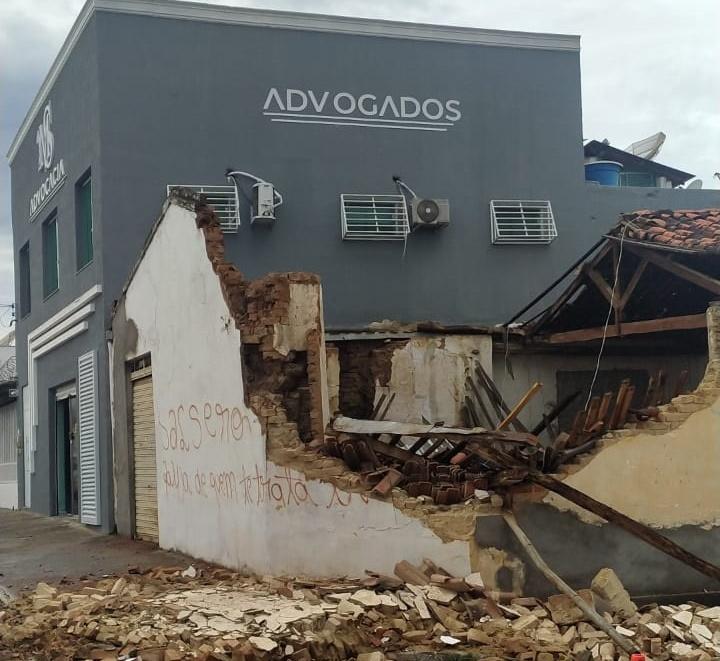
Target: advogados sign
x,y
367,110
55,174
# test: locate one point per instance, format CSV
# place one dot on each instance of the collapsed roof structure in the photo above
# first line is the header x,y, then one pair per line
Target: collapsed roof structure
x,y
656,271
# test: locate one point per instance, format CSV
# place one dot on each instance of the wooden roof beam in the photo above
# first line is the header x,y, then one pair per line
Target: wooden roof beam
x,y
685,272
685,322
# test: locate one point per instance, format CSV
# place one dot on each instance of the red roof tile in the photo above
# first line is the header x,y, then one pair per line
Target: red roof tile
x,y
697,230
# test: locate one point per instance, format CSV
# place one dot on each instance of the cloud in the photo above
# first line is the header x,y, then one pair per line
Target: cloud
x,y
646,66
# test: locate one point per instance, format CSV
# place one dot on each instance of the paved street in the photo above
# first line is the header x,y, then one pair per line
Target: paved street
x,y
36,548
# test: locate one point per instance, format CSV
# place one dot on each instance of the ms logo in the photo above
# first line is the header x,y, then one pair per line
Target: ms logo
x,y
45,140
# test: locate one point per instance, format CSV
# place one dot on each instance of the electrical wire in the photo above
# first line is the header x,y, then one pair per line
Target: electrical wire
x,y
607,319
401,185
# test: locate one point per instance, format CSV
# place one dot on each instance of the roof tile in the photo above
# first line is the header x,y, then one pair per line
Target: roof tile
x,y
697,230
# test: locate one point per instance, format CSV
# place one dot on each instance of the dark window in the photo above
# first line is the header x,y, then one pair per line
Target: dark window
x,y
50,255
24,261
83,222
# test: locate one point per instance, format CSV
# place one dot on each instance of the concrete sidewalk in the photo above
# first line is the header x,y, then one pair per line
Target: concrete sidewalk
x,y
38,548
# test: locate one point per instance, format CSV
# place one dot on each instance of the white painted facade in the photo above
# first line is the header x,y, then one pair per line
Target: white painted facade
x,y
218,497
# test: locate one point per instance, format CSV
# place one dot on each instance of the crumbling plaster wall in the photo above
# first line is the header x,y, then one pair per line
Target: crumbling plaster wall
x,y
425,373
220,497
428,377
663,480
663,473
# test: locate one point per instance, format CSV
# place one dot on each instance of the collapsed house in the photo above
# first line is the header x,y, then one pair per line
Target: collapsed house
x,y
246,433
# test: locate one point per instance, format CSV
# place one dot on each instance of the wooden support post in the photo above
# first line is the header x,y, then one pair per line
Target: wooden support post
x,y
616,301
633,283
599,621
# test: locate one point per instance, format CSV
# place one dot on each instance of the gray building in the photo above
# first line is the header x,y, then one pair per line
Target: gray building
x,y
145,94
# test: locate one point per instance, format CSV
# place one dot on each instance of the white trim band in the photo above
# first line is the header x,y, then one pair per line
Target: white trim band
x,y
194,11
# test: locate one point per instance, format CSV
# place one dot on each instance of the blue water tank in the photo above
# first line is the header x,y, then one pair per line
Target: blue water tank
x,y
605,173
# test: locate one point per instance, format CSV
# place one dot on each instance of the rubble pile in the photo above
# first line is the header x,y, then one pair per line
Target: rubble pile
x,y
170,614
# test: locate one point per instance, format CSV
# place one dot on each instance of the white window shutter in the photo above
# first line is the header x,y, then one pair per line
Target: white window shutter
x,y
88,433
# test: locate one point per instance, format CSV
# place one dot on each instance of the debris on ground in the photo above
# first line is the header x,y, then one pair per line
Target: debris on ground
x,y
172,614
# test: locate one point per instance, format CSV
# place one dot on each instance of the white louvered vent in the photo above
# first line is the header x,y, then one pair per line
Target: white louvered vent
x,y
522,221
374,217
221,198
88,433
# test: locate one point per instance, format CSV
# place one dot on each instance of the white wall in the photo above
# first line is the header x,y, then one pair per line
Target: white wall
x,y
218,497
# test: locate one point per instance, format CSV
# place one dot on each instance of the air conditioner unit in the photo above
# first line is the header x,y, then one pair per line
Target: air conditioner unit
x,y
263,203
430,213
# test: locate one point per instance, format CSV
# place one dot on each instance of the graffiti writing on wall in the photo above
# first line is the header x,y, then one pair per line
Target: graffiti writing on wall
x,y
188,428
281,487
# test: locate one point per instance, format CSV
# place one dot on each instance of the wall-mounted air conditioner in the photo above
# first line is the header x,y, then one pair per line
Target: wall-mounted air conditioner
x,y
429,213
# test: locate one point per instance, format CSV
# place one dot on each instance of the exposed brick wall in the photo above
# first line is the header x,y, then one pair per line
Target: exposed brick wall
x,y
281,388
363,364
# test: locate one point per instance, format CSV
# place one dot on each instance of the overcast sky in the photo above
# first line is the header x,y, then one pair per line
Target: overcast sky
x,y
647,66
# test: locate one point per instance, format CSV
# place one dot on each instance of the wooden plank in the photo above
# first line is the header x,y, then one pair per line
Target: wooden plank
x,y
604,408
391,451
473,417
494,392
615,416
592,414
617,289
576,428
534,389
433,447
599,282
640,531
378,405
684,322
635,278
494,402
554,412
659,395
622,416
649,392
560,303
572,288
386,408
680,270
478,396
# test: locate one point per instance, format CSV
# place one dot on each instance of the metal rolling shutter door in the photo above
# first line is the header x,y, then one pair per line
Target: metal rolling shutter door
x,y
87,425
145,466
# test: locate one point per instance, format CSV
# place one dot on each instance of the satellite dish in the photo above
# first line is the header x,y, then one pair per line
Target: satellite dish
x,y
695,184
647,148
